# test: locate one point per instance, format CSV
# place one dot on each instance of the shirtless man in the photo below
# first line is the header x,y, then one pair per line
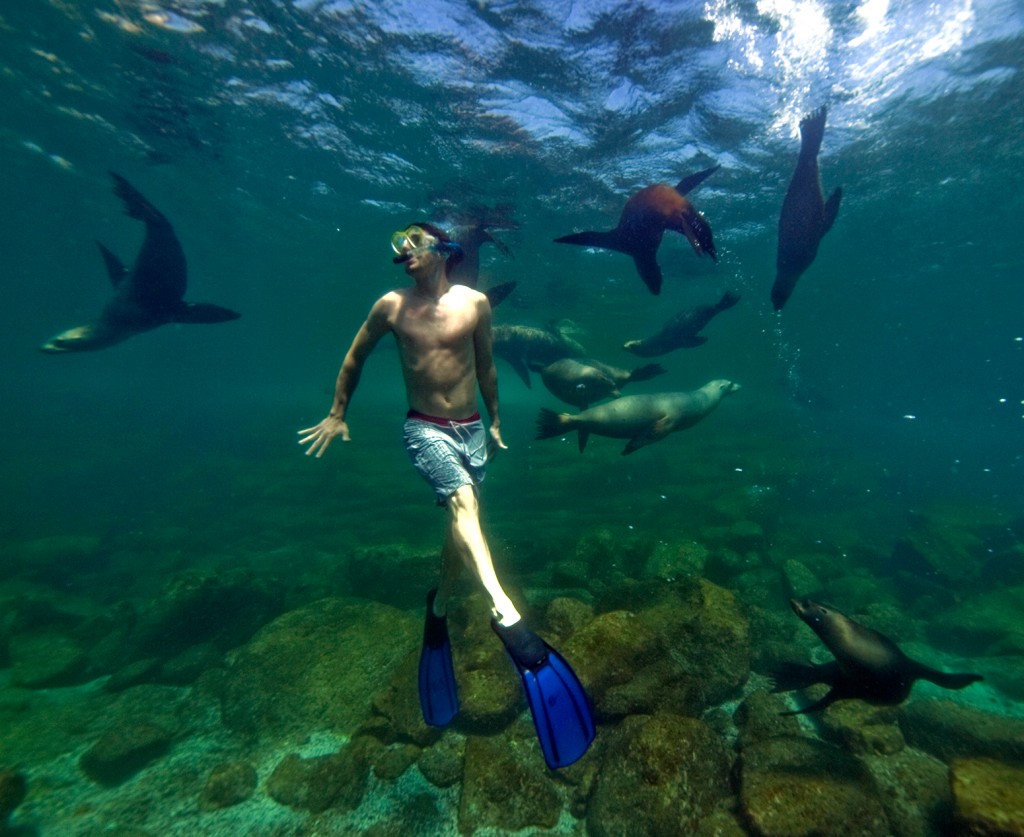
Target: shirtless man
x,y
444,341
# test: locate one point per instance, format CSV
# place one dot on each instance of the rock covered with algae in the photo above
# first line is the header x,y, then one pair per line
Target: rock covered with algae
x,y
660,775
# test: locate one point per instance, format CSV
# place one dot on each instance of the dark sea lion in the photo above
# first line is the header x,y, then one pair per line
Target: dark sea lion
x,y
682,331
582,382
643,222
467,272
643,419
806,216
527,347
148,295
868,665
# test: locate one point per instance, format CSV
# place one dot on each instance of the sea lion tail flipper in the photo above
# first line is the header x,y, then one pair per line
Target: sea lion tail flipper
x,y
698,232
203,313
498,293
503,248
832,208
647,267
608,240
728,300
551,424
949,679
812,132
646,372
135,204
692,181
584,435
115,268
817,706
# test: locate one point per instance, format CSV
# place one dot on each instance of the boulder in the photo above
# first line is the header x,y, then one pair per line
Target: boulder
x,y
660,775
317,667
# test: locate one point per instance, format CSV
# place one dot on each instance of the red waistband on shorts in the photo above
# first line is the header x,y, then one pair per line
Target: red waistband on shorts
x,y
444,422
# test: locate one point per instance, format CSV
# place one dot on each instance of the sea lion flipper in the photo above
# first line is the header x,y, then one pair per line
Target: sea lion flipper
x,y
522,370
203,313
135,203
691,182
608,240
812,132
115,267
645,372
498,293
832,209
647,267
948,679
830,698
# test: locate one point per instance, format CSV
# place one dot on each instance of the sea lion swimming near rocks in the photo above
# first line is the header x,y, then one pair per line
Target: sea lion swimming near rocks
x,y
643,419
806,216
868,665
527,347
147,296
682,331
644,219
583,381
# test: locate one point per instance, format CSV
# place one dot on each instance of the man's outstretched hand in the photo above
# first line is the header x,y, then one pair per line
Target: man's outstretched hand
x,y
321,436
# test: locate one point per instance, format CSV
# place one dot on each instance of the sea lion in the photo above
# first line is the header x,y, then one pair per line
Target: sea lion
x,y
467,272
644,219
582,382
868,665
643,419
682,331
527,347
148,295
806,216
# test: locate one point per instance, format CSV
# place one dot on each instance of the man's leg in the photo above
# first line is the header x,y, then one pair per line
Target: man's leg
x,y
465,544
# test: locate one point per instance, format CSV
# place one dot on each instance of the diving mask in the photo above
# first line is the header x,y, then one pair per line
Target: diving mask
x,y
411,240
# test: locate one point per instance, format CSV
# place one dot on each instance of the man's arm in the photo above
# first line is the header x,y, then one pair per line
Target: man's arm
x,y
486,371
369,334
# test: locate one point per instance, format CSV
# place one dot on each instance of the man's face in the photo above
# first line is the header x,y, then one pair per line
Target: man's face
x,y
412,241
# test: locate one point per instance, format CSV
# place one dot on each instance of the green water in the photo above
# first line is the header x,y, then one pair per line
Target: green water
x,y
286,141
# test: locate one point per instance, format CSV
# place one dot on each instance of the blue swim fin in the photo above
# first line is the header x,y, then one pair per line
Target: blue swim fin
x,y
560,706
439,696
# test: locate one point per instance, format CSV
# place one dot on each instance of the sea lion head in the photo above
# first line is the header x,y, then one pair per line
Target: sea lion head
x,y
807,609
723,386
77,339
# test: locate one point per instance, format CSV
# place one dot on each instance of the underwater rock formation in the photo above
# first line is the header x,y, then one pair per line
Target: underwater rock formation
x,y
660,775
800,786
988,797
507,786
317,667
123,751
228,784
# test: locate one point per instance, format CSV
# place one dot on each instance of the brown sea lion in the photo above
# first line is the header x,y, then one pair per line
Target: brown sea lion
x,y
643,419
583,381
148,295
644,219
806,216
682,330
868,665
529,347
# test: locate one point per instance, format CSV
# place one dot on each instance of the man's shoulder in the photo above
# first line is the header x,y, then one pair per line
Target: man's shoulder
x,y
464,292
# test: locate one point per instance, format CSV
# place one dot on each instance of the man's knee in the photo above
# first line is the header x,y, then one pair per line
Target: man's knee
x,y
463,500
